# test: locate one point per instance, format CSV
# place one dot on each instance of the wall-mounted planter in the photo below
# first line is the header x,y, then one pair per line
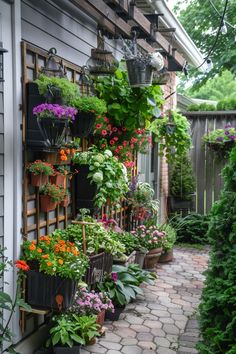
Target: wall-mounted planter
x,y
43,291
46,203
65,202
54,131
58,179
139,73
82,125
38,180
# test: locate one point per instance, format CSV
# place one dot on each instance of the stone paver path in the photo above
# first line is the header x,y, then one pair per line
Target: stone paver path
x,y
162,321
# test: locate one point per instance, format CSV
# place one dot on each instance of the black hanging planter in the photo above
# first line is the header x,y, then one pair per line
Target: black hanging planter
x,y
54,131
82,125
139,73
84,190
46,291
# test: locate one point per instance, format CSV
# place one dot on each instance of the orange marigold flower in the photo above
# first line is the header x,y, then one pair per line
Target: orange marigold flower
x,y
20,264
33,242
60,261
68,249
49,264
68,151
32,247
39,250
45,256
73,151
62,152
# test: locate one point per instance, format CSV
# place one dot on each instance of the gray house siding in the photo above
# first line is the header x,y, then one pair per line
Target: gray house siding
x,y
1,164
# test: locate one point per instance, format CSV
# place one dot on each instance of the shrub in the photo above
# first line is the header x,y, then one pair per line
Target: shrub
x,y
218,303
200,107
182,182
227,104
191,229
90,104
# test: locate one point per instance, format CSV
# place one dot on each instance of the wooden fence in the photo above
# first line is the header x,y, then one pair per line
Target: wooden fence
x,y
207,168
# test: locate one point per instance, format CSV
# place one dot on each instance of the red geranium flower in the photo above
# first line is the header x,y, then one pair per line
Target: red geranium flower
x,y
112,142
132,146
123,129
125,143
20,264
106,119
98,126
104,132
120,147
116,138
114,129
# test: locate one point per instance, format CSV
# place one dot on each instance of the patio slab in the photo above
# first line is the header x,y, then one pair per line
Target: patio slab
x,y
163,321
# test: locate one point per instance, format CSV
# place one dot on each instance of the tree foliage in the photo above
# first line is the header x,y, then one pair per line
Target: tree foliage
x,y
201,22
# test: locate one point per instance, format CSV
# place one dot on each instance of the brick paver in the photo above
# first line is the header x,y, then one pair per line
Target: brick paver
x,y
163,320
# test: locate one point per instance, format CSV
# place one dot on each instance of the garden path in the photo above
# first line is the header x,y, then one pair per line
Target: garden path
x,y
163,320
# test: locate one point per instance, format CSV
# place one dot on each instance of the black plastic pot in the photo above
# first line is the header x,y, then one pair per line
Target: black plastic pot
x,y
67,350
177,203
114,316
84,190
44,351
54,131
43,289
139,73
83,124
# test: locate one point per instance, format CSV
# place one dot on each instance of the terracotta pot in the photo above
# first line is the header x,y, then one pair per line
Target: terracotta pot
x,y
167,256
65,202
101,318
38,180
46,203
58,179
152,258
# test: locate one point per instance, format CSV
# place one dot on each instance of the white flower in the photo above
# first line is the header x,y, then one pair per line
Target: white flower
x,y
108,153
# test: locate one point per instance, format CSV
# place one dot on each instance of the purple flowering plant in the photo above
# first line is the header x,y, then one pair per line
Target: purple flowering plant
x,y
91,303
221,140
149,237
48,110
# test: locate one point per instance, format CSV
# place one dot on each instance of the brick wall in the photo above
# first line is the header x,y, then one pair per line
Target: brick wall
x,y
170,103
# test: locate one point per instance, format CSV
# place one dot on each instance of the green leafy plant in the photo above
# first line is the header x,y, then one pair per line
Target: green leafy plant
x,y
70,329
226,104
90,104
109,175
174,143
67,89
8,305
182,181
98,238
55,256
122,285
191,228
170,238
217,308
127,239
201,107
55,192
221,141
39,167
129,107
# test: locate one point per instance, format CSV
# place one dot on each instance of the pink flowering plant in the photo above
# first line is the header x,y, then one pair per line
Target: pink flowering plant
x,y
149,237
48,110
91,303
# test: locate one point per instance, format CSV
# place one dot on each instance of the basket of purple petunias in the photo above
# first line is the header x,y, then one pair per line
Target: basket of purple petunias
x,y
53,121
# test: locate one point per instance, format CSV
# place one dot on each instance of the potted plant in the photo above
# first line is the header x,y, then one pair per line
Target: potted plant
x,y
140,67
221,141
56,89
182,184
130,244
40,171
88,108
92,303
151,238
59,175
53,121
54,266
69,331
173,143
65,199
50,196
168,243
102,173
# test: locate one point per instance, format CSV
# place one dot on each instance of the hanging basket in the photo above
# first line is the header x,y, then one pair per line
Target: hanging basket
x,y
82,125
54,131
139,73
102,62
